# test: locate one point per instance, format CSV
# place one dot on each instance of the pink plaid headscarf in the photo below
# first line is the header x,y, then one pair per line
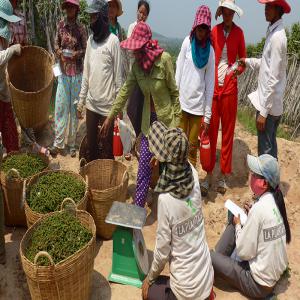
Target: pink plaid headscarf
x,y
203,16
149,50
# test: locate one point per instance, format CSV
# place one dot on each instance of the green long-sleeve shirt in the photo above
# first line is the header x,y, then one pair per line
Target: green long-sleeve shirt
x,y
161,85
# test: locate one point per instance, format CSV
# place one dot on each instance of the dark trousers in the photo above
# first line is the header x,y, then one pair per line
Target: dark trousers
x,y
267,143
161,289
2,239
237,274
98,148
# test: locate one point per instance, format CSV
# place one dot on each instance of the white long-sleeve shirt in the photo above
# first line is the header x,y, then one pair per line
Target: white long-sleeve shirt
x,y
262,242
5,56
102,77
196,86
268,98
181,241
130,29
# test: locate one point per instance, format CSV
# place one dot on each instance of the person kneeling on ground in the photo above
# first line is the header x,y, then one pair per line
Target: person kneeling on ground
x,y
261,243
180,232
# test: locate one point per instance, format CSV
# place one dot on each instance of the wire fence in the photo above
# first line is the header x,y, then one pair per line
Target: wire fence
x,y
291,116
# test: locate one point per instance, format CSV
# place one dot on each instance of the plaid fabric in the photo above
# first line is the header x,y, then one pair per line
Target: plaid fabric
x,y
168,145
141,39
171,148
203,16
140,36
19,30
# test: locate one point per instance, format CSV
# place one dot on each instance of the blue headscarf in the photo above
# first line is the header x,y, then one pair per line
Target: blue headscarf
x,y
200,54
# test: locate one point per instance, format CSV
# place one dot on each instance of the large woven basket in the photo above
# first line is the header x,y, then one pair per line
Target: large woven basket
x,y
155,171
13,190
83,148
71,278
108,182
31,83
33,216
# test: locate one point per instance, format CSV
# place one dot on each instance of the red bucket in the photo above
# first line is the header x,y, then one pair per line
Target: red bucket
x,y
205,152
117,143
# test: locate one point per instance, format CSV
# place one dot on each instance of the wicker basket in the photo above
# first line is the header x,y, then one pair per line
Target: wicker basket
x,y
108,182
33,216
31,83
71,278
155,171
13,190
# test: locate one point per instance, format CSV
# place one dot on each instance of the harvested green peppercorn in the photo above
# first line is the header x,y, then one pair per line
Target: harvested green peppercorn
x,y
51,189
26,164
61,235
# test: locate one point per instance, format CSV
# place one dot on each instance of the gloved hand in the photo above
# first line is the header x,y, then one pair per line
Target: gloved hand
x,y
17,49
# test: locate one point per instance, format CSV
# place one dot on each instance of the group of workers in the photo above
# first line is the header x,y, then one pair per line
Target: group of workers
x,y
100,76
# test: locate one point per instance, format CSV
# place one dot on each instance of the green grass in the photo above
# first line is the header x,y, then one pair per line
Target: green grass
x,y
246,116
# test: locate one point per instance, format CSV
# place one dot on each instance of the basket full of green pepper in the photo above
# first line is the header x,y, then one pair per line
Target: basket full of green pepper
x,y
16,169
46,191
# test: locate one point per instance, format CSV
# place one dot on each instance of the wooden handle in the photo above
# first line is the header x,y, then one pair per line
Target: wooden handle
x,y
13,174
68,200
43,254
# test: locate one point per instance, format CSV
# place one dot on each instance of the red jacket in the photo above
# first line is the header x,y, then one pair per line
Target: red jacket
x,y
236,48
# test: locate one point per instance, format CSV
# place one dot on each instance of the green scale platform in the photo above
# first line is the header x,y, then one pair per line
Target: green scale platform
x,y
130,264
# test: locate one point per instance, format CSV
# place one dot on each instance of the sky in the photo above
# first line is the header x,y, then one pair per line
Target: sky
x,y
174,18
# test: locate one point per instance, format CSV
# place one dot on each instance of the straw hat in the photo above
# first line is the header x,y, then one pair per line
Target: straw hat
x,y
120,10
231,5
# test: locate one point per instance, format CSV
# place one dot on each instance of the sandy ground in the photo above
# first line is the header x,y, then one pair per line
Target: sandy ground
x,y
13,282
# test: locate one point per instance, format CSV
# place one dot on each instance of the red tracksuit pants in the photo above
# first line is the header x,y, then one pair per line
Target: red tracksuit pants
x,y
8,127
224,110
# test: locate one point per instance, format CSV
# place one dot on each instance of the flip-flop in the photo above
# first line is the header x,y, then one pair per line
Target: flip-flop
x,y
222,187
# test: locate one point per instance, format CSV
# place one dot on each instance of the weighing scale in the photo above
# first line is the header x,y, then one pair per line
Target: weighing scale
x,y
130,263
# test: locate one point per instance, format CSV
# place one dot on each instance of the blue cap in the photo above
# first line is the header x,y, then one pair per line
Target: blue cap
x,y
266,166
4,30
7,12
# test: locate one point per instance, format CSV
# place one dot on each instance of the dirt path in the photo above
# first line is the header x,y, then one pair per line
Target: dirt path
x,y
13,283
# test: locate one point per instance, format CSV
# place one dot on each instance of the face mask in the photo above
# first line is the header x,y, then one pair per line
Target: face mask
x,y
258,185
100,29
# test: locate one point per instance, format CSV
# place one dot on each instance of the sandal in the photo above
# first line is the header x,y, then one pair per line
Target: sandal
x,y
73,152
53,151
222,186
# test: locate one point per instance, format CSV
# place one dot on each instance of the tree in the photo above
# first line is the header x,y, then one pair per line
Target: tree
x,y
293,36
256,50
43,16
